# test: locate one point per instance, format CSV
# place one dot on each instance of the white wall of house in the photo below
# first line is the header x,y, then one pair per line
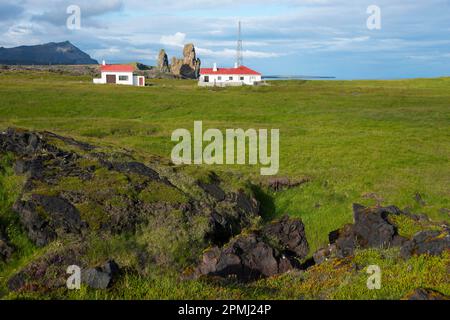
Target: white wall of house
x,y
230,79
125,78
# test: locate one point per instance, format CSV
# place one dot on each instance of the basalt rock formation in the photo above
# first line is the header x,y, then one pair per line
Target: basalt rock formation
x,y
425,294
432,242
283,183
277,248
163,62
188,67
101,277
5,249
47,218
374,228
52,215
75,193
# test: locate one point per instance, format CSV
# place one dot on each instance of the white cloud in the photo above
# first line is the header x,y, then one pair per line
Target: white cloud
x,y
231,53
21,33
20,30
106,52
176,40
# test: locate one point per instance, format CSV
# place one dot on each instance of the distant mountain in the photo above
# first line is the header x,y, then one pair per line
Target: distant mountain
x,y
45,54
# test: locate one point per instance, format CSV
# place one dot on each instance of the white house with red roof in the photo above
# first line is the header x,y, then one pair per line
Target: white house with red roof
x,y
237,76
119,74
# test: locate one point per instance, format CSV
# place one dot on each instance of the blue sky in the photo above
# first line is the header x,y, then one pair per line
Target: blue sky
x,y
283,37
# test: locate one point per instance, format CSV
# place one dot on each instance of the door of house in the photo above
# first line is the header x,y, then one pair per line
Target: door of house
x,y
206,78
110,78
141,81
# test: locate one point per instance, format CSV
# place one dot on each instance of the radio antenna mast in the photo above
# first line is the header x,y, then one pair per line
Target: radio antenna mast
x,y
239,53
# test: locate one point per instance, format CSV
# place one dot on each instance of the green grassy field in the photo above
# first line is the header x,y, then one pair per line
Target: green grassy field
x,y
358,141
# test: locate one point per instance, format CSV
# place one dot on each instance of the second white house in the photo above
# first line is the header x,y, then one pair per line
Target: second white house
x,y
237,76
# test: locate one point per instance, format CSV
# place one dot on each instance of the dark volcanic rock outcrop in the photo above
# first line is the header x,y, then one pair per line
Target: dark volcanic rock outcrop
x,y
247,258
75,193
5,249
373,228
101,277
289,235
47,217
214,190
232,212
282,183
132,167
425,294
20,142
277,248
49,271
47,166
432,242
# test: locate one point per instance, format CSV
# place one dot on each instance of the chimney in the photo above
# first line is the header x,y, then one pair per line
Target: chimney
x,y
103,63
215,67
235,65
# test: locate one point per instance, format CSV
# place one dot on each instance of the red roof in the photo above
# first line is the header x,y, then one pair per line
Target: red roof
x,y
117,68
235,71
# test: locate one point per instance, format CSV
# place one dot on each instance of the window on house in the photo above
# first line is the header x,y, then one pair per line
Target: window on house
x,y
230,78
242,78
206,79
123,78
219,78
